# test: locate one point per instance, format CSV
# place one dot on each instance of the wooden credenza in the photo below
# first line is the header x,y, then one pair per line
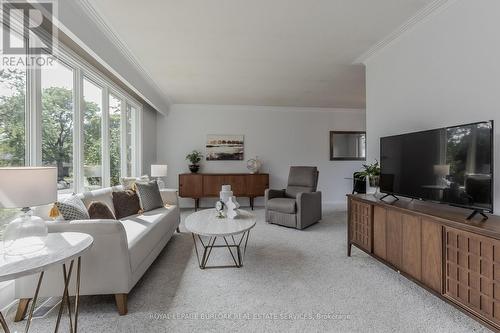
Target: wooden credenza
x,y
435,246
200,185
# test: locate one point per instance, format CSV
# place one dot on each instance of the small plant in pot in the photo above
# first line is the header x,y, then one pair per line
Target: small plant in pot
x,y
372,171
194,158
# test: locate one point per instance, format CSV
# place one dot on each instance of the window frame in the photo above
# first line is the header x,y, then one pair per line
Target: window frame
x,y
81,70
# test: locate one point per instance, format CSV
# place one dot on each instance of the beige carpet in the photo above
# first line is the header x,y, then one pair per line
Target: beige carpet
x,y
293,281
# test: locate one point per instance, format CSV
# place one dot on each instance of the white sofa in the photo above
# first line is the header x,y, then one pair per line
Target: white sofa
x,y
122,251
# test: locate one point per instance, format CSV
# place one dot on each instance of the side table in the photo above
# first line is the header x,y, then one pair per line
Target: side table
x,y
60,248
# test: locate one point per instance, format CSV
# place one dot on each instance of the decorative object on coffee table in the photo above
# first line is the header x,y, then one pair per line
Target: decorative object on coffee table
x,y
232,208
254,165
159,171
225,147
206,224
225,193
60,248
194,158
25,187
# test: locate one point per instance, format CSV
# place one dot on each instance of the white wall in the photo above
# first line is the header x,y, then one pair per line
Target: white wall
x,y
148,138
279,136
446,71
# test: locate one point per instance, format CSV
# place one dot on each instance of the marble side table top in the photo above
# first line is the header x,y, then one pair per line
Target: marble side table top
x,y
60,247
206,223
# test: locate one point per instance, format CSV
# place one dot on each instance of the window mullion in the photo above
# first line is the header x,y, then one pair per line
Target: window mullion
x,y
123,139
106,165
78,130
34,116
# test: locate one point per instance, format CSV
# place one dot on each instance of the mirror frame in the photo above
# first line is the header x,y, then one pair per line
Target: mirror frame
x,y
333,158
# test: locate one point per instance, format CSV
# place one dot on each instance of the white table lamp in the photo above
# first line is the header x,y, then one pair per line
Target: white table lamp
x,y
159,171
25,187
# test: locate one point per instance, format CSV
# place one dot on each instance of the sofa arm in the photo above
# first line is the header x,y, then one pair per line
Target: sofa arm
x,y
308,209
105,267
169,197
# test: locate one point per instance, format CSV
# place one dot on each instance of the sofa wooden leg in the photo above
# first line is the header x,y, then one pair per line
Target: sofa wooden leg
x,y
22,308
121,303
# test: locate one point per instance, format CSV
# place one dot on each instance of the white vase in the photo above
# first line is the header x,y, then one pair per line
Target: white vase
x,y
232,208
225,193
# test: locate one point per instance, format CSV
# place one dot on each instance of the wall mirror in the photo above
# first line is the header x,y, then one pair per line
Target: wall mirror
x,y
347,146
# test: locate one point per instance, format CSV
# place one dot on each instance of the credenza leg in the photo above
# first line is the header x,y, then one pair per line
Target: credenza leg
x,y
251,202
349,249
196,204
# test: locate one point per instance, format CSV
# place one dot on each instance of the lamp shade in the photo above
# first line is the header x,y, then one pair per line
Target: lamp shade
x,y
27,186
442,170
159,170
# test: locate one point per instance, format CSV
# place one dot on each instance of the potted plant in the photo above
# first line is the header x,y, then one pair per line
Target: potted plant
x,y
194,158
372,171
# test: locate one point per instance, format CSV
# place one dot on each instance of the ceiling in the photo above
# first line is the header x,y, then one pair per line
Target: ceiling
x,y
256,52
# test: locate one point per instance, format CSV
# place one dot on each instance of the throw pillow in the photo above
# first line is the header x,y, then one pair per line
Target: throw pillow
x,y
149,194
126,203
72,208
99,210
129,182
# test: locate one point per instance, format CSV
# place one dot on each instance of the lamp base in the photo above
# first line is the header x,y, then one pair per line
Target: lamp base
x,y
25,235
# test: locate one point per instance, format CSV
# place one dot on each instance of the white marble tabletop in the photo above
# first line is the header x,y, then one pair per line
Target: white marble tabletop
x,y
59,248
206,223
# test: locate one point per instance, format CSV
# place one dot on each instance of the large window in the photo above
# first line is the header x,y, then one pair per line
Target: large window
x,y
57,122
68,115
92,135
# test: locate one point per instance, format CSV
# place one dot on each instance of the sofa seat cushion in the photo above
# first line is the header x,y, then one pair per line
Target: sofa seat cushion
x,y
144,232
283,205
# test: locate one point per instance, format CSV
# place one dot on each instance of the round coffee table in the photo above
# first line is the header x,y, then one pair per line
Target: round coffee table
x,y
205,223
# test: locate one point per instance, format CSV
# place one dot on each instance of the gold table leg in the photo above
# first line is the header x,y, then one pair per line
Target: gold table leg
x,y
3,323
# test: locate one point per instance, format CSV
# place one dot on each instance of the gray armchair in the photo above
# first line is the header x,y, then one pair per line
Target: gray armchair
x,y
299,205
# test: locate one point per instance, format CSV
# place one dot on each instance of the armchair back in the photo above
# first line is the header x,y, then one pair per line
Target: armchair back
x,y
302,179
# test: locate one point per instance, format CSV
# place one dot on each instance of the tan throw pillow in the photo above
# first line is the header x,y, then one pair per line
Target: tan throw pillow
x,y
126,203
100,211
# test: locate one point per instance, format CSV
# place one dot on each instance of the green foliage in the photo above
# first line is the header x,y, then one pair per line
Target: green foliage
x,y
370,170
194,157
57,127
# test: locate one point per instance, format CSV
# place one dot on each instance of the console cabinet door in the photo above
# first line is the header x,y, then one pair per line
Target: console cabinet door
x,y
238,184
432,249
394,233
379,232
257,184
473,272
190,186
361,225
212,185
411,256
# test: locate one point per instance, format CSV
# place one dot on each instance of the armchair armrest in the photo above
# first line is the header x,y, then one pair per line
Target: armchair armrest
x,y
308,209
271,194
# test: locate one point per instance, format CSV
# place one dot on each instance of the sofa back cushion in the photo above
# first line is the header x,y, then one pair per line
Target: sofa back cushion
x,y
99,210
126,203
149,195
103,195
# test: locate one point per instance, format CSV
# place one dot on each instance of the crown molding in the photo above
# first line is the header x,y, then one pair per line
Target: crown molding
x,y
411,23
110,33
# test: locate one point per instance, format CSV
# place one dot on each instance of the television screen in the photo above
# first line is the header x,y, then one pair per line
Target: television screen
x,y
452,165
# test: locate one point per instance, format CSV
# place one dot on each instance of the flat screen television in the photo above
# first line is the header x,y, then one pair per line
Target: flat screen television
x,y
452,165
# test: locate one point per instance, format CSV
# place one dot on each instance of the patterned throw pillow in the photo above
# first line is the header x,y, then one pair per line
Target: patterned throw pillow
x,y
99,210
72,208
149,194
126,203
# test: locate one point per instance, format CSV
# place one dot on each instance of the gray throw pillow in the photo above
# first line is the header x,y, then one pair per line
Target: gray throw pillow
x,y
149,194
72,208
